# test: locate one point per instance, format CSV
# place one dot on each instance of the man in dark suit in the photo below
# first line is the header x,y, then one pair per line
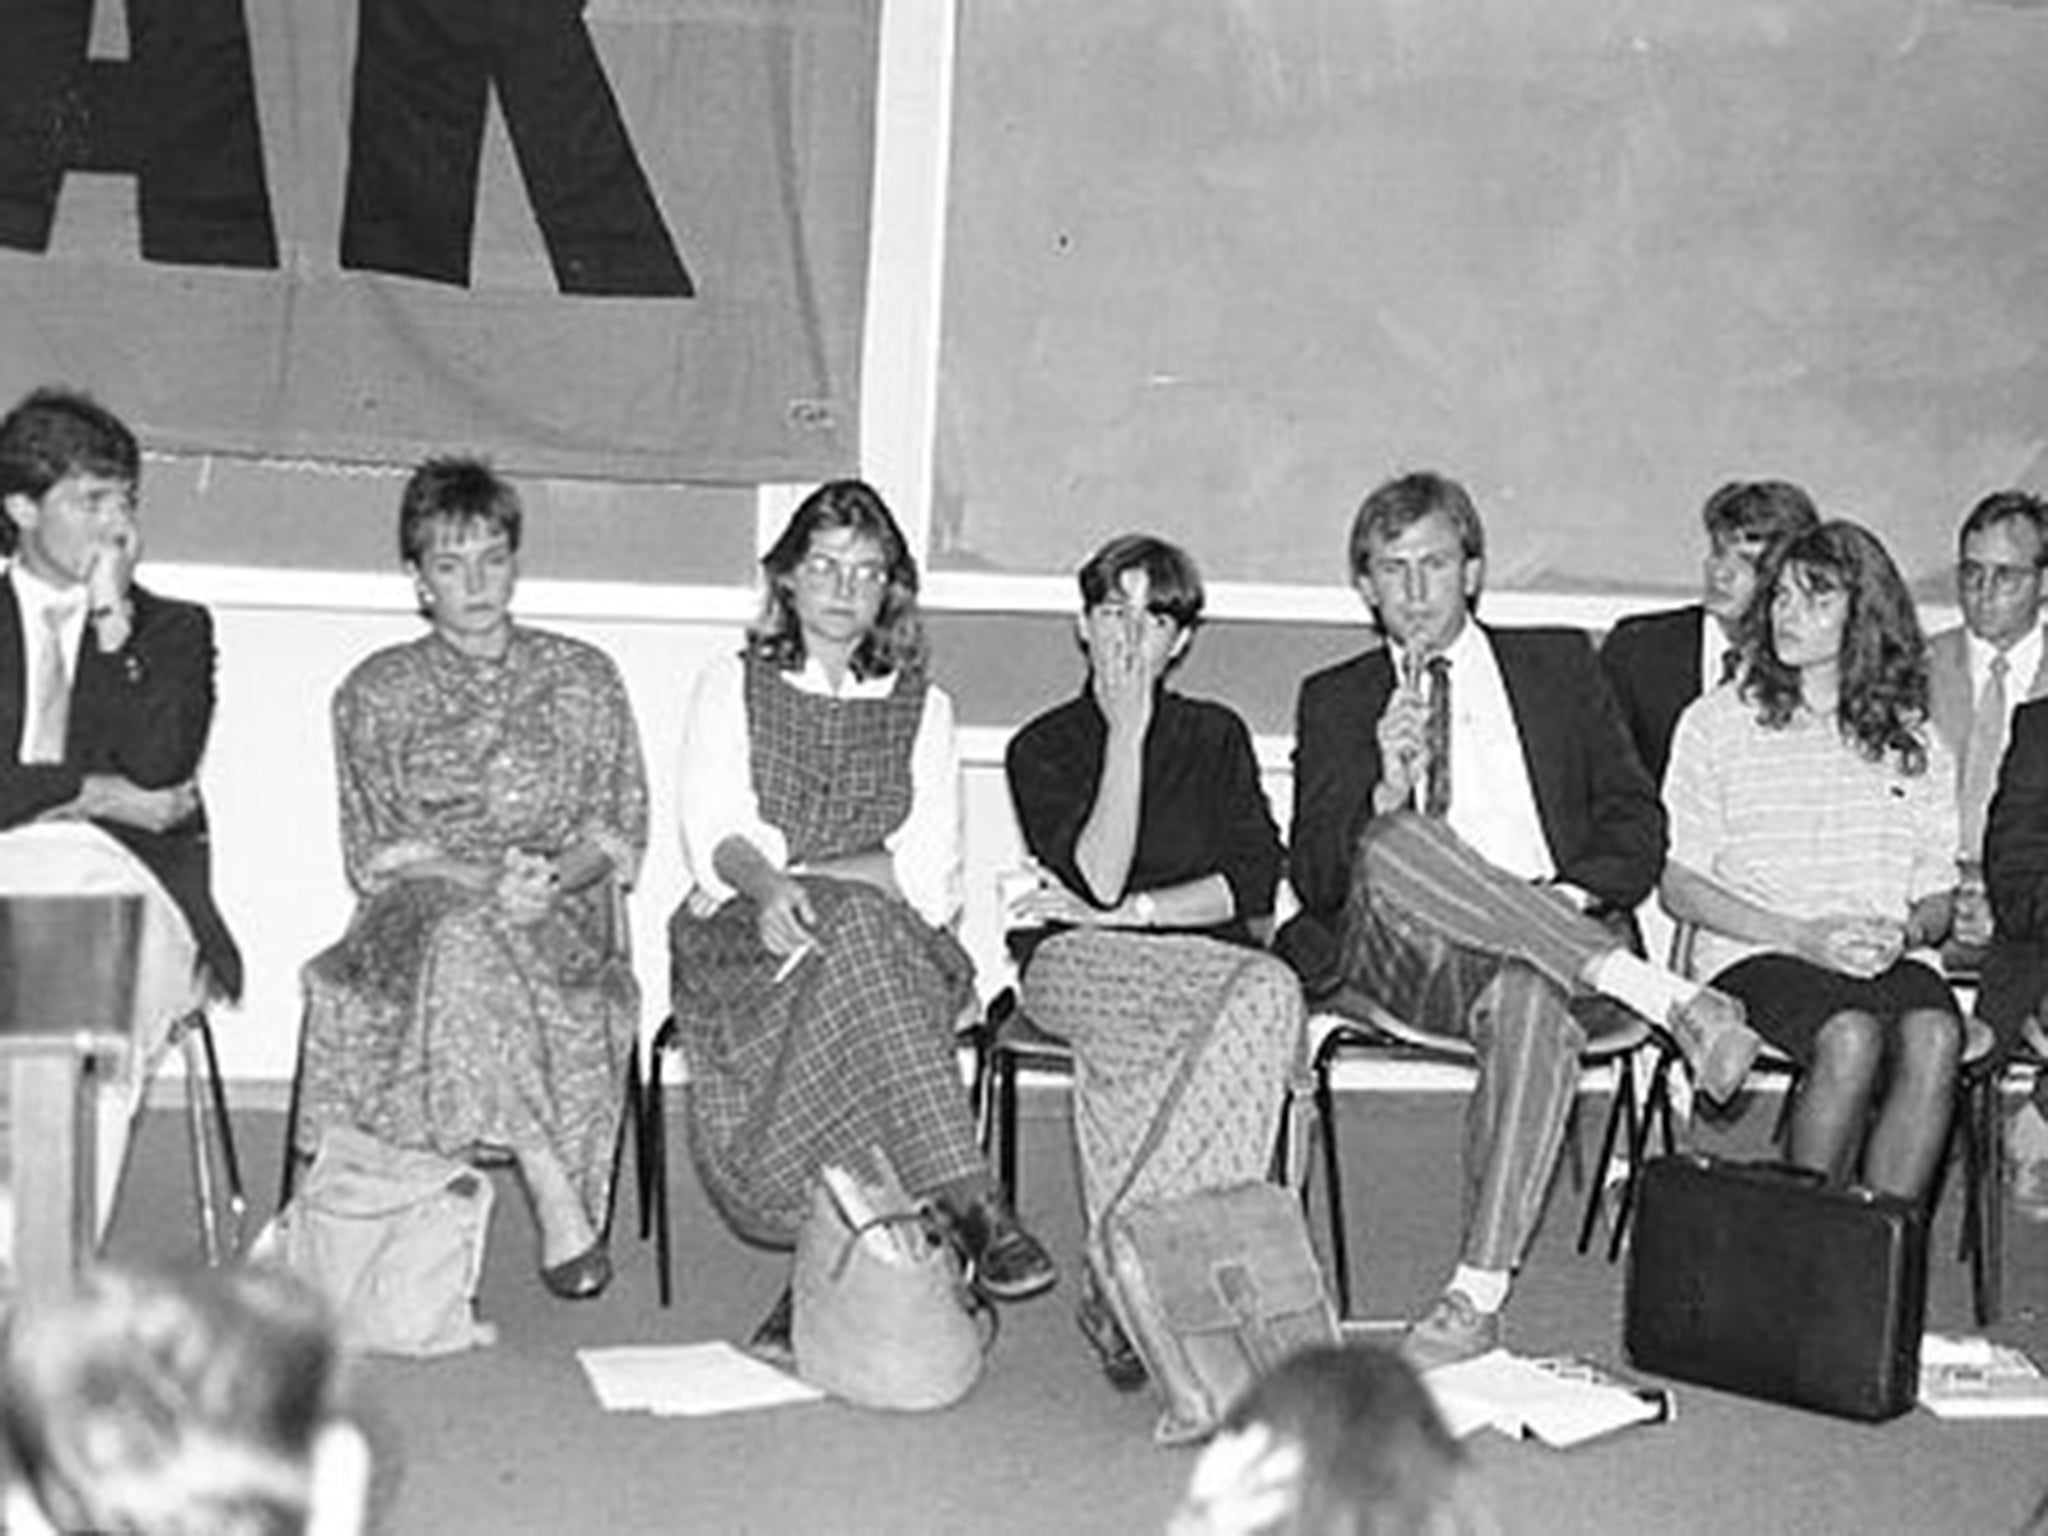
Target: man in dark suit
x,y
1467,806
106,697
1657,663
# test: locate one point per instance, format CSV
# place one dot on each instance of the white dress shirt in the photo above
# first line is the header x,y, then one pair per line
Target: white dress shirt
x,y
37,598
1493,806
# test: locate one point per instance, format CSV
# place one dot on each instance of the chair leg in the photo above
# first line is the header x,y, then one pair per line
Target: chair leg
x,y
1006,1123
629,1132
1656,1115
1985,1186
289,1171
1620,1126
205,1094
231,1158
654,1128
1333,1186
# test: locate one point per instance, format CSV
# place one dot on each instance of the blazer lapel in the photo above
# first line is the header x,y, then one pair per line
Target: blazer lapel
x,y
13,679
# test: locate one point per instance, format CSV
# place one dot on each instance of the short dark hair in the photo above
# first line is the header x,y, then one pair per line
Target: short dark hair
x,y
1765,510
180,1401
1398,504
54,433
1374,1455
1170,573
457,493
2007,507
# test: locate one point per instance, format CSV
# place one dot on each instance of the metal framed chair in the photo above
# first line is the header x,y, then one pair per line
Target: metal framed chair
x,y
1353,1025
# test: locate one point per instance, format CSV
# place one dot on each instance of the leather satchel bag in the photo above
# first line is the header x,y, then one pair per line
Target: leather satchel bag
x,y
394,1238
884,1316
1214,1287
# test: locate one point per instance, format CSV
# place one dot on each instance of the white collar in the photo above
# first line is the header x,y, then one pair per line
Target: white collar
x,y
2023,660
38,597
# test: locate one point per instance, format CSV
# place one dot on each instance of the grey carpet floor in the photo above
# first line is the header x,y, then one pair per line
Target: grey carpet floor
x,y
511,1440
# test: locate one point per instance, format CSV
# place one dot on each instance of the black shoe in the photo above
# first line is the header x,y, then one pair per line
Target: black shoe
x,y
771,1341
1120,1359
1005,1262
580,1278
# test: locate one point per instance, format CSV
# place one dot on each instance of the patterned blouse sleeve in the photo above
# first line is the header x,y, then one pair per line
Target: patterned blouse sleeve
x,y
377,837
616,774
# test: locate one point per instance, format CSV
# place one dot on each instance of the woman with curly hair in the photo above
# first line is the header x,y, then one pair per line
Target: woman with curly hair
x,y
817,980
1813,838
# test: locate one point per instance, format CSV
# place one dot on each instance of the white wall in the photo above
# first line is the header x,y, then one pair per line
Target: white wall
x,y
269,777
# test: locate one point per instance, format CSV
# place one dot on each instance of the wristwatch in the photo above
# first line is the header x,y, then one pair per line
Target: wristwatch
x,y
1147,910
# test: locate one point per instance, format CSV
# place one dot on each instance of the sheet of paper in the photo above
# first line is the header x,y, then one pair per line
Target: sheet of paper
x,y
691,1380
1524,1397
1967,1376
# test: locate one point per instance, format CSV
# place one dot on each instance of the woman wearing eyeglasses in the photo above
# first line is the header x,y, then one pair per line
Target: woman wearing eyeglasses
x,y
817,979
1813,837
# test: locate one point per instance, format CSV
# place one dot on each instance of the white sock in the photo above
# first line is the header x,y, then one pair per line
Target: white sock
x,y
1649,989
1486,1289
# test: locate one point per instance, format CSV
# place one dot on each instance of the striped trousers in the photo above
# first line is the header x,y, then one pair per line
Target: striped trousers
x,y
1457,948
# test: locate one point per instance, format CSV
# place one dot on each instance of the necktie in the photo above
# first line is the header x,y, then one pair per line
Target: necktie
x,y
1437,736
1980,757
52,718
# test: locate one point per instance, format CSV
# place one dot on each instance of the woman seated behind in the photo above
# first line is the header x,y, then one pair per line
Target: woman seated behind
x,y
1813,843
1157,859
492,802
817,980
180,1403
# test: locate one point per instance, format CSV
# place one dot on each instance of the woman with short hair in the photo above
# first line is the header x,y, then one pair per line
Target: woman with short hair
x,y
492,802
1157,860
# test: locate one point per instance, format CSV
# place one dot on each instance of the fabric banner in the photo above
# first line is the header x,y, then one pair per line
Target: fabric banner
x,y
614,238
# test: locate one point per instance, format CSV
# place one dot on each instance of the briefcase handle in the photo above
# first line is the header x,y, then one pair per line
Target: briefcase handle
x,y
1757,1168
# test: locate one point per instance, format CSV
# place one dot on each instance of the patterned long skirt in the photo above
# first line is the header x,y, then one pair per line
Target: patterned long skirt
x,y
437,1023
850,1049
1134,1007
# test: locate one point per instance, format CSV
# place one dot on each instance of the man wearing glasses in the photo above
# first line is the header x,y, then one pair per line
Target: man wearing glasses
x,y
1979,673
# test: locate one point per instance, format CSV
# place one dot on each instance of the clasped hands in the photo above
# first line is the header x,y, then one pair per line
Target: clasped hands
x,y
111,797
1048,899
1854,946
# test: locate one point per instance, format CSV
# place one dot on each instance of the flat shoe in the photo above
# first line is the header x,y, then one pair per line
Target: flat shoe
x,y
1119,1358
1005,1262
582,1277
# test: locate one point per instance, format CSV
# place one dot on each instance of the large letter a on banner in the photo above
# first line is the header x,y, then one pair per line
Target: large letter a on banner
x,y
424,69
178,115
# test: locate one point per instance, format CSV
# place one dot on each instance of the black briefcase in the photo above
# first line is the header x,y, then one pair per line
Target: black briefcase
x,y
1759,1279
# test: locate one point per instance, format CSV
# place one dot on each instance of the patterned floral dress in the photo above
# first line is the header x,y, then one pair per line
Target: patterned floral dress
x,y
438,1021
